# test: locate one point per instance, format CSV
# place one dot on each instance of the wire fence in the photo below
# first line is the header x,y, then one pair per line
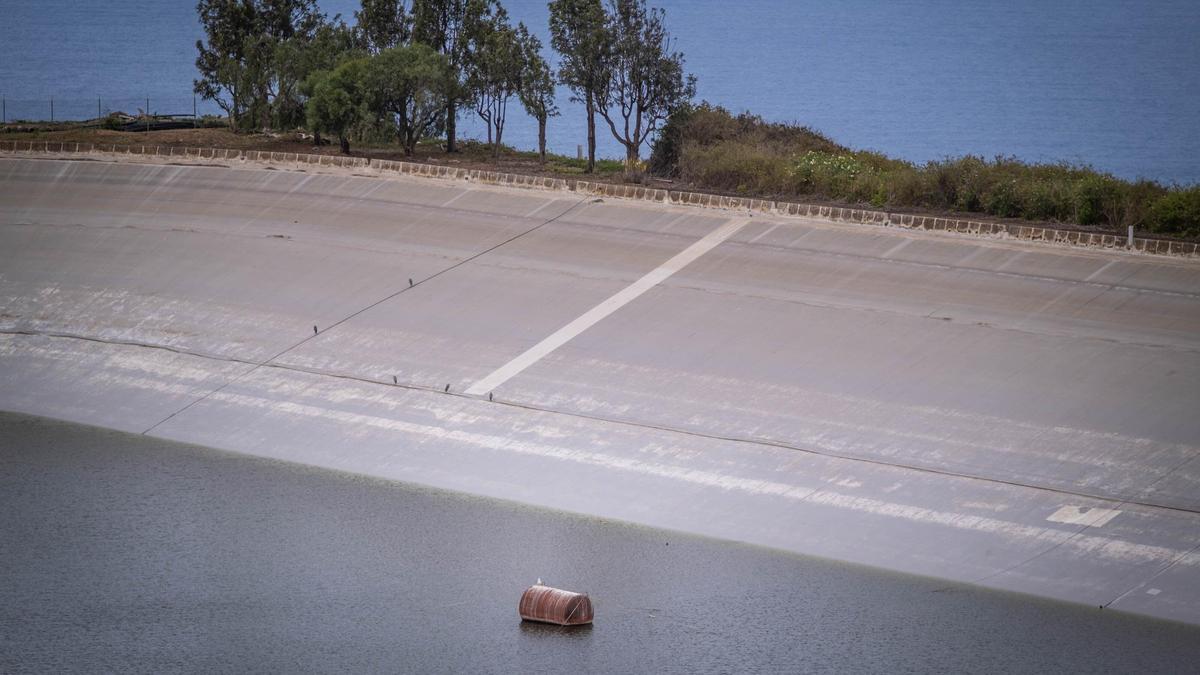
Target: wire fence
x,y
76,109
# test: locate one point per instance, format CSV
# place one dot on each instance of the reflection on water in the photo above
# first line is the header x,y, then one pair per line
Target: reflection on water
x,y
122,552
546,631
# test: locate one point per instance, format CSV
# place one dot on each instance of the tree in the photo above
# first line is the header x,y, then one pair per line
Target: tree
x,y
493,65
410,84
382,24
537,85
579,33
228,25
237,61
277,22
336,102
646,78
297,57
439,24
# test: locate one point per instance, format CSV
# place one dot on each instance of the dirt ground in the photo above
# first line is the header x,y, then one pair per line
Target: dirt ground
x,y
472,154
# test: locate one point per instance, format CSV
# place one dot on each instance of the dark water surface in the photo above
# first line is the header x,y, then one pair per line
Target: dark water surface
x,y
1112,83
127,553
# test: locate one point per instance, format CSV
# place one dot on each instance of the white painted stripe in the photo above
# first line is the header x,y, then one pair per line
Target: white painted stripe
x,y
621,298
453,199
896,248
1082,515
1100,271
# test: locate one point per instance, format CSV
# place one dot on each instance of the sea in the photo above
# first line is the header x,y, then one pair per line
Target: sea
x,y
129,554
1113,84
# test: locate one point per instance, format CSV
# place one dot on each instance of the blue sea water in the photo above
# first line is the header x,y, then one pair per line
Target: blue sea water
x,y
1110,83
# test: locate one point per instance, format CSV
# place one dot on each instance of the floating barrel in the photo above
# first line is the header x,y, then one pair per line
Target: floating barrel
x,y
554,605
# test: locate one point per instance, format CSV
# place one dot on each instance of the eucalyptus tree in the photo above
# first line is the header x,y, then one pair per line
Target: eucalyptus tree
x,y
646,78
278,21
331,44
337,102
493,65
224,74
237,61
579,33
409,84
536,89
381,24
440,25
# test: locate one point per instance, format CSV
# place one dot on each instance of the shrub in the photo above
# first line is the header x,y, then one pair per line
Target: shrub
x,y
709,147
664,156
1176,212
736,167
1091,193
827,174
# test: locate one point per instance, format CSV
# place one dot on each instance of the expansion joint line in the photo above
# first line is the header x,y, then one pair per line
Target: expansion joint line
x,y
1089,525
359,311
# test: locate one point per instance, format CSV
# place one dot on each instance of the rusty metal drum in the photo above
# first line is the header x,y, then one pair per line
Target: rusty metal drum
x,y
554,605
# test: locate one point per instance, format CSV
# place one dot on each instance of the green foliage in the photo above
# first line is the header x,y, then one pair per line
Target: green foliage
x,y
711,148
113,121
664,156
336,100
825,173
579,33
536,84
442,25
381,24
646,79
409,85
493,65
240,64
1177,212
299,56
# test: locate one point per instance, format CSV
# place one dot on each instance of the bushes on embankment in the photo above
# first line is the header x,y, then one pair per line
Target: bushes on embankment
x,y
710,148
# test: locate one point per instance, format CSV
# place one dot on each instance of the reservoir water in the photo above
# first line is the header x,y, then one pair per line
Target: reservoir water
x,y
1111,83
126,553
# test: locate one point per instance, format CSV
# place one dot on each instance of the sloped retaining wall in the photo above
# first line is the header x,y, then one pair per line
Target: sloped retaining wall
x,y
622,191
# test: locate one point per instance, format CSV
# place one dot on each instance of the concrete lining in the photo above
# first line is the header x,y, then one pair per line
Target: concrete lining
x,y
983,410
383,168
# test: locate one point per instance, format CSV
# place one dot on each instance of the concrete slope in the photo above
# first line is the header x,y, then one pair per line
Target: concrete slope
x,y
1013,415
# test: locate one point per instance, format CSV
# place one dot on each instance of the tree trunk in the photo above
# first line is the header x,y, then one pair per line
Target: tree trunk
x,y
542,138
496,147
345,143
317,138
591,121
264,112
631,158
233,111
451,125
